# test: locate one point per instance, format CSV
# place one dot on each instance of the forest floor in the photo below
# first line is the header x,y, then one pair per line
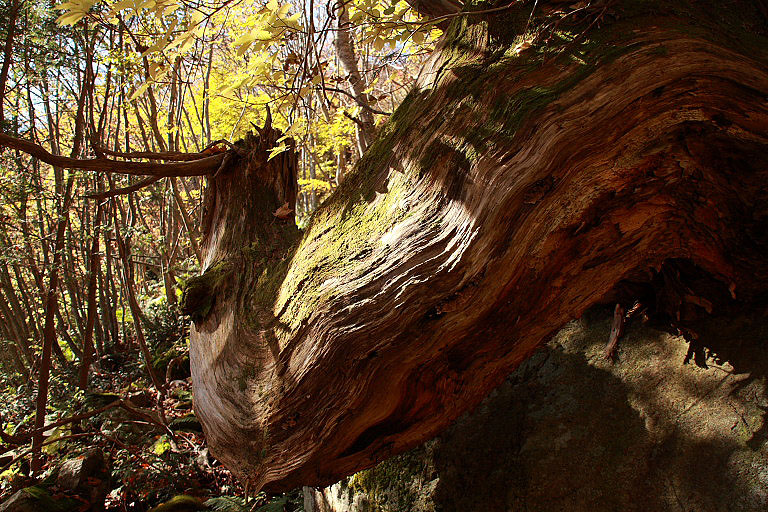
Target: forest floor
x,y
153,447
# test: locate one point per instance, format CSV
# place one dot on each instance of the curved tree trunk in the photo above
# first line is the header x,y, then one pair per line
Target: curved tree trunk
x,y
515,187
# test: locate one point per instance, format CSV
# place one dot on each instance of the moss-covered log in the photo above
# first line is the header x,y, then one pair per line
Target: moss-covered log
x,y
619,151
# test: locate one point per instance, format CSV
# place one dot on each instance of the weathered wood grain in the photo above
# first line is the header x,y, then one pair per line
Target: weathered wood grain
x,y
509,192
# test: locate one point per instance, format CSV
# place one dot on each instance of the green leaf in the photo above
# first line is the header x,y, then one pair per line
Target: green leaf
x,y
226,504
178,503
274,506
186,423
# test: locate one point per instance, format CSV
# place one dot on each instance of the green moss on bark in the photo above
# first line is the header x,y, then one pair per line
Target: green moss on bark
x,y
201,291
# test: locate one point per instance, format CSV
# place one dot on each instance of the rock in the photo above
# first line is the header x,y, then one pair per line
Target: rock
x,y
21,502
74,472
572,431
86,475
37,499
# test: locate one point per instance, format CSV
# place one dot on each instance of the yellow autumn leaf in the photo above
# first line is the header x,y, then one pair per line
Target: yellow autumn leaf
x,y
138,92
77,11
282,13
70,18
276,151
67,6
293,20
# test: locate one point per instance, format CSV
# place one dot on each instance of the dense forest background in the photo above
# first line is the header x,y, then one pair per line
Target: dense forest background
x,y
93,263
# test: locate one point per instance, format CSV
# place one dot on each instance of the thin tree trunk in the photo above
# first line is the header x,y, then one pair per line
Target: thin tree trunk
x,y
15,333
207,99
130,287
188,225
51,301
12,14
49,330
110,288
345,50
93,265
27,301
19,317
16,352
166,254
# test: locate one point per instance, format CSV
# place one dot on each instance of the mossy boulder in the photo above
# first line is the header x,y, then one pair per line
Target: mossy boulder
x,y
182,503
39,499
571,430
88,476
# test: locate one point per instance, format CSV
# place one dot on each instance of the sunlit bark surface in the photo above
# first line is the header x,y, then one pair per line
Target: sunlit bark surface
x,y
513,189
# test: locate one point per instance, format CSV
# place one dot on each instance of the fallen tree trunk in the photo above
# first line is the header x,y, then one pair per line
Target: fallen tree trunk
x,y
621,152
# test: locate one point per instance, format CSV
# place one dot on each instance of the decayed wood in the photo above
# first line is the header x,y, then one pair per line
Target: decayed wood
x,y
617,329
506,195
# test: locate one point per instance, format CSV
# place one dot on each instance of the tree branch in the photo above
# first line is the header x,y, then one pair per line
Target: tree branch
x,y
173,156
362,105
199,167
435,8
124,190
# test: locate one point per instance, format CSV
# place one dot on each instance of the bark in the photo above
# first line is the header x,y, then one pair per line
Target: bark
x,y
50,341
512,189
123,246
432,9
345,50
109,299
189,226
12,332
93,264
8,55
